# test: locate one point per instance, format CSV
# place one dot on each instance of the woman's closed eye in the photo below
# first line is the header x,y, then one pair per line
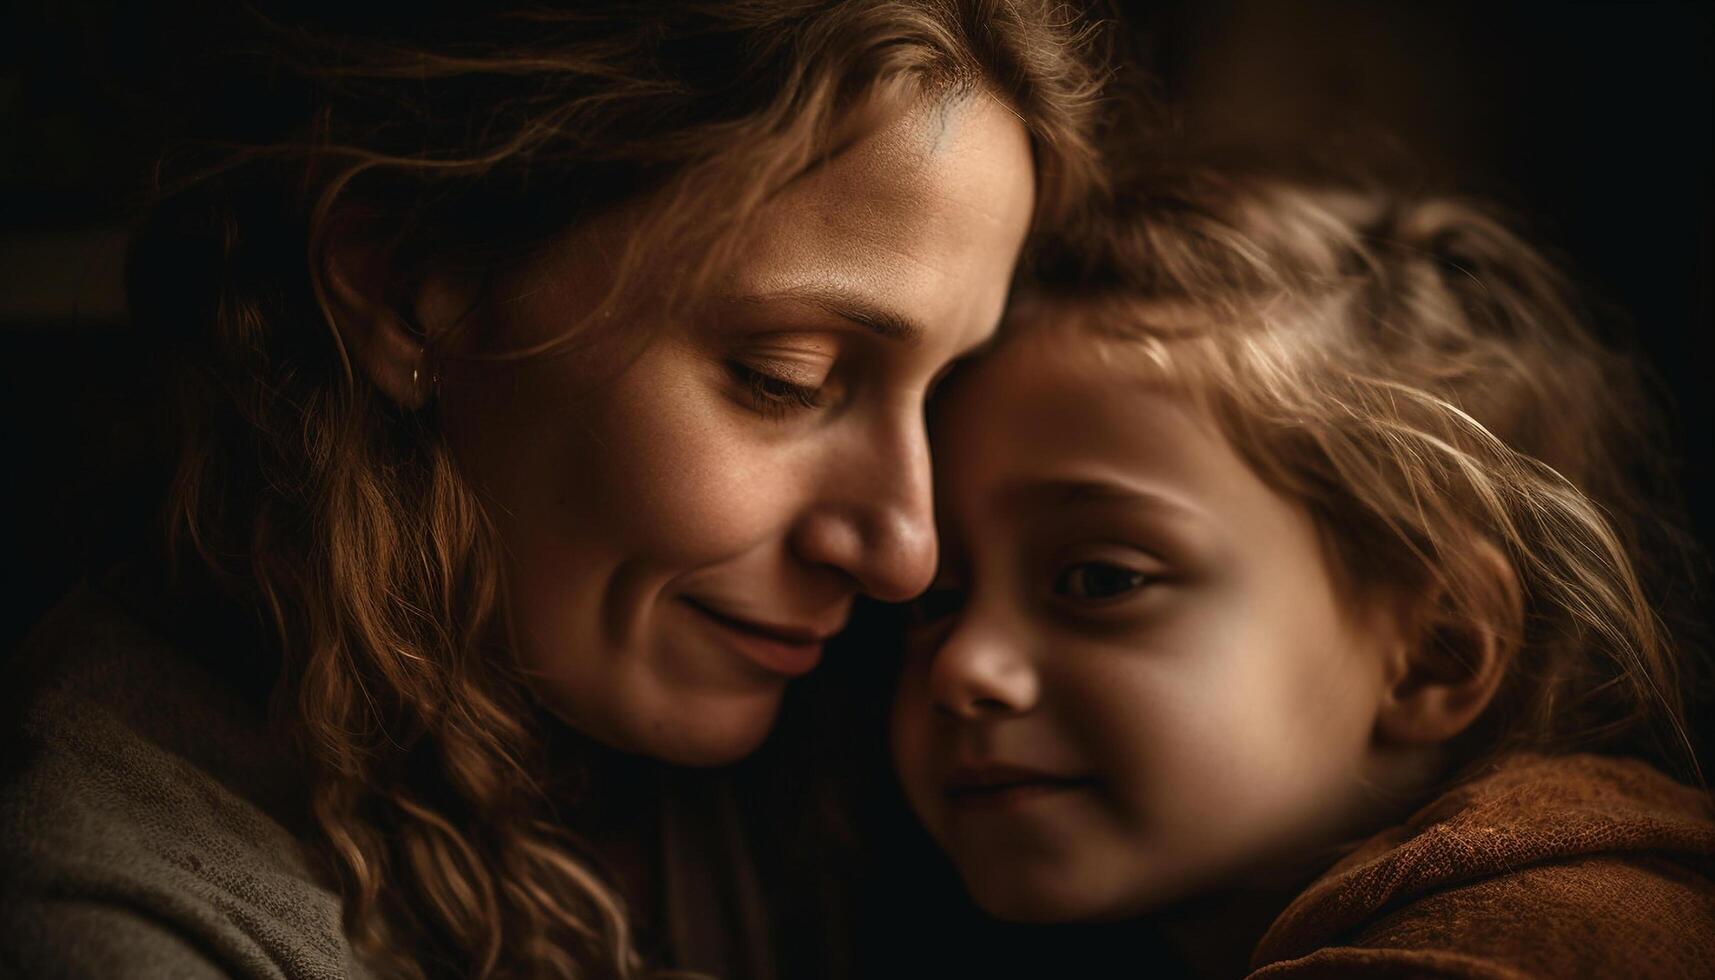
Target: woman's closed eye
x,y
773,395
776,384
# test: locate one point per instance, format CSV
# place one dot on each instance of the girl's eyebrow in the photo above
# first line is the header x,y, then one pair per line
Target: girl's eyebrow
x,y
1064,491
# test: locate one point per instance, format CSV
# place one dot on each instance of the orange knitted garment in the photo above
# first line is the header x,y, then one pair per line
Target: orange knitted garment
x,y
1545,867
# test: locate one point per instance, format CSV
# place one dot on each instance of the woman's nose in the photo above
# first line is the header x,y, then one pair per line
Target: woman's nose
x,y
875,519
980,672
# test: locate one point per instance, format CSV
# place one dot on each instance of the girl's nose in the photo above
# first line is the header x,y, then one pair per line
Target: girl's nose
x,y
875,520
981,671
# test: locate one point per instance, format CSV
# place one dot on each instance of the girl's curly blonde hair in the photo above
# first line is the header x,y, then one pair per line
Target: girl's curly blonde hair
x,y
1427,384
343,522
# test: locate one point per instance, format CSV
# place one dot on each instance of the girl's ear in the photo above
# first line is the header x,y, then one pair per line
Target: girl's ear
x,y
389,325
1443,677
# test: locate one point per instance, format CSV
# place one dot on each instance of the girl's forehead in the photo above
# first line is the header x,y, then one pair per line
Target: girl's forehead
x,y
1212,352
1049,349
1068,398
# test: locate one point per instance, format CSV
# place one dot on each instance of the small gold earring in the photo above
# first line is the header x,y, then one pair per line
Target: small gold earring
x,y
417,380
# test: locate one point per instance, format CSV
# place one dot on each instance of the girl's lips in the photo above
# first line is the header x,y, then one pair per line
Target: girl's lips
x,y
1004,786
790,651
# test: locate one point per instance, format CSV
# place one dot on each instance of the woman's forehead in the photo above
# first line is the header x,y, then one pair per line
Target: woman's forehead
x,y
957,160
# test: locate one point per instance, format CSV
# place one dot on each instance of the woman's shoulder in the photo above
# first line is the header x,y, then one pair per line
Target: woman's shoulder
x,y
1542,866
141,808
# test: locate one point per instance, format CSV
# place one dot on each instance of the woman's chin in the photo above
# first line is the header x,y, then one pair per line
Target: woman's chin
x,y
707,751
683,718
705,732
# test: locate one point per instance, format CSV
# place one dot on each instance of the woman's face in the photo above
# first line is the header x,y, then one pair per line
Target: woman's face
x,y
685,525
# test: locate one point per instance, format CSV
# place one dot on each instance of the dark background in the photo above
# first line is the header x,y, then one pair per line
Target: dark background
x,y
1593,120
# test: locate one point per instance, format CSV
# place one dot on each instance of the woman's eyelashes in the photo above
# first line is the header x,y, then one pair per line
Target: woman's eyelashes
x,y
772,395
776,387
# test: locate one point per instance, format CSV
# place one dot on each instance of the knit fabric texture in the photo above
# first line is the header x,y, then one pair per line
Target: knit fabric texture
x,y
141,809
1573,866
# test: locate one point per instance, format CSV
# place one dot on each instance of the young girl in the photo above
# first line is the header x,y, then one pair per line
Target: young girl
x,y
1288,594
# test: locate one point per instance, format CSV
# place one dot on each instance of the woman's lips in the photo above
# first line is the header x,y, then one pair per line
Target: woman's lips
x,y
785,649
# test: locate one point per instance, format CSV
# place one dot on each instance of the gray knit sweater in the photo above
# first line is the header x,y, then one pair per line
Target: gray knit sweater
x,y
140,817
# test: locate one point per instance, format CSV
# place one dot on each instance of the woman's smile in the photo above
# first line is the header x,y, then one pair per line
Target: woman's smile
x,y
780,647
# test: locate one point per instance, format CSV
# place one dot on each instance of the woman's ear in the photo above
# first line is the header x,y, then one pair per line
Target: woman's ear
x,y
1448,669
388,324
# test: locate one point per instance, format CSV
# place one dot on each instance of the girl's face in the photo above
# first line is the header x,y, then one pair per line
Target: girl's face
x,y
1133,677
683,526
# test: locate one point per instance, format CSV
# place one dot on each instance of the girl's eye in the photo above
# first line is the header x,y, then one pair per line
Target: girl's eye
x,y
1099,581
773,395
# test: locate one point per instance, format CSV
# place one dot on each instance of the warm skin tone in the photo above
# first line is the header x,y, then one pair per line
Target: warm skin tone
x,y
1137,679
685,522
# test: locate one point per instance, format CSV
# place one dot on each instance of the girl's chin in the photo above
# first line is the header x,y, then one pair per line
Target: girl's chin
x,y
1056,893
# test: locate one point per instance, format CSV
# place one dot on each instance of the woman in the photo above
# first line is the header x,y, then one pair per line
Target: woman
x,y
551,384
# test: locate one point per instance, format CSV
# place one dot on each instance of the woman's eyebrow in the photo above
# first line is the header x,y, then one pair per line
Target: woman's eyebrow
x,y
847,305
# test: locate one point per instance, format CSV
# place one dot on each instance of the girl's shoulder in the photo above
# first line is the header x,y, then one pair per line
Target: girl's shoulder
x,y
144,812
1543,866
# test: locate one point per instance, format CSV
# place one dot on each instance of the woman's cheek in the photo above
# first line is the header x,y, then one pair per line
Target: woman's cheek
x,y
703,483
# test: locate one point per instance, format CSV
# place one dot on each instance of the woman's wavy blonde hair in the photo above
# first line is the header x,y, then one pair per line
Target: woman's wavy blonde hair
x,y
342,521
1427,384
